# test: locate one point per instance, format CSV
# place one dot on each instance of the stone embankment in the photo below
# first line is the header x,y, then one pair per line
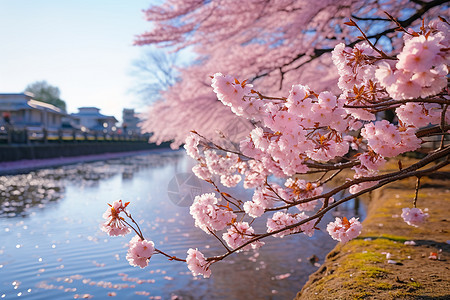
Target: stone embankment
x,y
390,259
15,152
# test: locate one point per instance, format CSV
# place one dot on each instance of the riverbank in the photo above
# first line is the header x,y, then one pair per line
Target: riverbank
x,y
27,165
390,259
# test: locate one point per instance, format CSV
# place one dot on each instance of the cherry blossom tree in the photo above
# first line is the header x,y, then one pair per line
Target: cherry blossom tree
x,y
273,44
316,133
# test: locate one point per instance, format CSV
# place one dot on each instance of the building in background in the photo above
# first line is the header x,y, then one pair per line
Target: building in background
x,y
90,118
22,111
130,121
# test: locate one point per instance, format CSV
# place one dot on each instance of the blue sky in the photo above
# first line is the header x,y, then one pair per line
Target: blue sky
x,y
84,47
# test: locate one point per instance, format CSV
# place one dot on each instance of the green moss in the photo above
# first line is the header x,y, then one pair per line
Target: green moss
x,y
363,266
395,238
374,272
366,257
321,284
414,284
385,239
381,285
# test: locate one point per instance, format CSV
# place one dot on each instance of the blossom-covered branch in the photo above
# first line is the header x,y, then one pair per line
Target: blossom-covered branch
x,y
308,132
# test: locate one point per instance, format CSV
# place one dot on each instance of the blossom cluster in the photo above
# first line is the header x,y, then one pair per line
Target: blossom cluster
x,y
114,224
389,140
344,230
208,215
197,263
281,220
211,163
140,251
421,68
238,234
413,216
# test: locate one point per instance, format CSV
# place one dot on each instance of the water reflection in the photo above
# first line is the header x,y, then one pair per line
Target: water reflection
x,y
52,247
22,192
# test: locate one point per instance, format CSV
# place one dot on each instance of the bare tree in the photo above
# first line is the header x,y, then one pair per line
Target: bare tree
x,y
155,72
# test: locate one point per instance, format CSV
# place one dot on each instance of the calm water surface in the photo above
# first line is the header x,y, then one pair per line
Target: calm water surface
x,y
52,248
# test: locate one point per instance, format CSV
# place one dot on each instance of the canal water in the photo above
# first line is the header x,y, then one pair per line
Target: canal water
x,y
51,245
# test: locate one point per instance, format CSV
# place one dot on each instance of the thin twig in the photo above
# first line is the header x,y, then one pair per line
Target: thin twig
x,y
331,177
321,177
417,191
261,96
444,110
272,189
225,195
383,55
169,256
389,103
219,239
137,225
134,229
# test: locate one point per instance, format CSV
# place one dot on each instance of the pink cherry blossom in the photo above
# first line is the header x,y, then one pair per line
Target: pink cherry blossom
x,y
389,140
327,99
344,230
419,114
197,263
353,141
352,65
208,215
419,53
307,228
414,216
253,209
386,76
230,180
221,164
238,234
139,252
201,171
115,225
361,172
301,189
371,160
298,102
248,148
232,93
279,221
191,145
259,138
265,197
255,175
419,72
279,43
